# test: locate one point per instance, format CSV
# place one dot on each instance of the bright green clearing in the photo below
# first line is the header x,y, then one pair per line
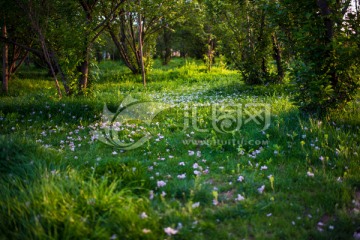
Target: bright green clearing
x,y
298,179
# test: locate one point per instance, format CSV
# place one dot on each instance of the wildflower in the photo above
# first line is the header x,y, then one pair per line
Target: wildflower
x,y
261,189
181,163
151,195
269,214
181,176
310,174
263,168
161,183
143,215
321,158
239,198
240,179
114,153
170,231
191,153
197,172
163,194
198,154
195,205
146,231
114,236
195,165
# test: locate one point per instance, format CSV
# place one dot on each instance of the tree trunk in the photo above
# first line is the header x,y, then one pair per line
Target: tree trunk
x,y
5,80
277,58
329,34
84,69
122,50
141,48
167,44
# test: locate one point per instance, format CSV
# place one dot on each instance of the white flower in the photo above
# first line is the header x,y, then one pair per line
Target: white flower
x,y
310,174
269,214
163,194
240,179
191,153
146,231
114,153
114,236
161,183
195,165
263,167
239,198
196,172
181,176
181,163
170,231
198,154
143,215
321,158
195,205
151,195
261,189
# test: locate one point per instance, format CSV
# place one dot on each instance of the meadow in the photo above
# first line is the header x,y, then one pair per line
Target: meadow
x,y
201,174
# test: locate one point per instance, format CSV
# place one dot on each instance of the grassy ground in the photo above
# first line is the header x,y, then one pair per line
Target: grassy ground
x,y
193,179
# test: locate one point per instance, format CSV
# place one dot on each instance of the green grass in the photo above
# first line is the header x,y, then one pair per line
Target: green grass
x,y
58,182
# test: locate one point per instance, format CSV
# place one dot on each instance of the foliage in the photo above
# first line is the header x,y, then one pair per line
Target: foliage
x,y
325,39
244,33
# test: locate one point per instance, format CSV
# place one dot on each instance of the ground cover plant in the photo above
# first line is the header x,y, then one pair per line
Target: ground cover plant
x,y
296,177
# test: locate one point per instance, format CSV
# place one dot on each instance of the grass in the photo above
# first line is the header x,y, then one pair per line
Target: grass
x,y
297,179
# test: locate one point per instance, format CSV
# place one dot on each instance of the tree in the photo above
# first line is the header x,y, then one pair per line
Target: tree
x,y
137,27
244,34
12,55
192,36
97,16
326,45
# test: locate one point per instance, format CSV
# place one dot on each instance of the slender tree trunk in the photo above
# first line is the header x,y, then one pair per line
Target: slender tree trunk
x,y
84,69
210,53
277,58
5,80
329,34
167,44
18,59
262,44
120,45
141,48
